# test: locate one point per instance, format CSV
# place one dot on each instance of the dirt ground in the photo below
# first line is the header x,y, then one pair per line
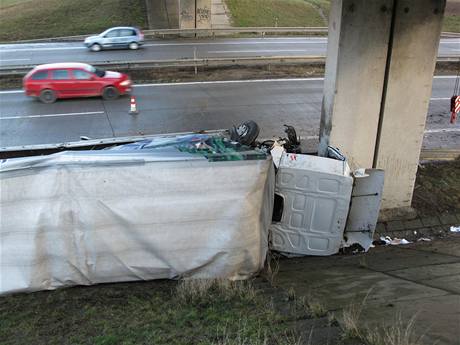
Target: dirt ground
x,y
453,7
437,188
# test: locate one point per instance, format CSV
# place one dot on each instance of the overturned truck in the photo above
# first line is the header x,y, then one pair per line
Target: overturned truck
x,y
196,205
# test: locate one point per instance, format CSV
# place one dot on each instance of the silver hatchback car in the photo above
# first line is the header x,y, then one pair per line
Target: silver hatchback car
x,y
117,37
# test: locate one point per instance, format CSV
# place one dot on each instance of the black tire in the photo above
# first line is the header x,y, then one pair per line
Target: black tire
x,y
246,133
110,93
133,46
96,47
47,96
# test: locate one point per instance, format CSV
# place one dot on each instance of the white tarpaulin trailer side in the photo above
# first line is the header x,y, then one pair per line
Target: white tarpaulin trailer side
x,y
93,216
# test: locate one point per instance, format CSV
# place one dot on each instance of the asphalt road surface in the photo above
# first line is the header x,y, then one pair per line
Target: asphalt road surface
x,y
167,108
39,53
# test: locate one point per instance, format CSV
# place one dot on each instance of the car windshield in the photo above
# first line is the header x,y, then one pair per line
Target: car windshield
x,y
99,72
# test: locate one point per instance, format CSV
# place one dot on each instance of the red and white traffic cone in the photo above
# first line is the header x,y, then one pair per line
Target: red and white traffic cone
x,y
454,108
133,106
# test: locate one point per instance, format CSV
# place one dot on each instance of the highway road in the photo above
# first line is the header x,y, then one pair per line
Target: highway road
x,y
166,108
38,53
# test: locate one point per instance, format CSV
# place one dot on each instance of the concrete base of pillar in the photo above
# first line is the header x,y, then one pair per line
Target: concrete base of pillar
x,y
398,213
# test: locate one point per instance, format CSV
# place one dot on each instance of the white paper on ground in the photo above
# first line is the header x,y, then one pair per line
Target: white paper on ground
x,y
455,229
395,241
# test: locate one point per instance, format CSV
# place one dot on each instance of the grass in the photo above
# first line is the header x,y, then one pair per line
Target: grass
x,y
451,23
275,13
437,188
397,333
304,13
22,19
158,312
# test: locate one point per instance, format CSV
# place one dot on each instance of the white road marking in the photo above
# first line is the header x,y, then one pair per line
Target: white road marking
x,y
40,49
440,99
228,82
2,60
442,130
445,77
223,43
258,51
51,115
11,91
236,82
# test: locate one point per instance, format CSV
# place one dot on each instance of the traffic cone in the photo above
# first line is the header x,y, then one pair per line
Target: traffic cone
x,y
133,107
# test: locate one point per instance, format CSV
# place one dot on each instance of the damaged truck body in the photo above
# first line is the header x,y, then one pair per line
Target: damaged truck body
x,y
195,205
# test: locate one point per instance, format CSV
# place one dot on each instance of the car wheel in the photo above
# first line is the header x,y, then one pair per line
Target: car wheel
x,y
133,46
47,96
96,47
110,93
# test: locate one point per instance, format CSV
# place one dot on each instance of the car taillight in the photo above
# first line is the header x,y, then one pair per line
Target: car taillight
x,y
141,34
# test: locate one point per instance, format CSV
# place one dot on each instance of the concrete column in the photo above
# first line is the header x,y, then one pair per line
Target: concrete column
x,y
359,32
379,69
203,14
195,14
187,14
411,63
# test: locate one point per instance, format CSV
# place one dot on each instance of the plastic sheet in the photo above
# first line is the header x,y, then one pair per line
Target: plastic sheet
x,y
132,214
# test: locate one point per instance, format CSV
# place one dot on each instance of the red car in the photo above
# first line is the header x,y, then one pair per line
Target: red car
x,y
66,80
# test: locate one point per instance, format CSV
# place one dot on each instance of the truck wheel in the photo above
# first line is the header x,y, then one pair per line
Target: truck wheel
x,y
246,133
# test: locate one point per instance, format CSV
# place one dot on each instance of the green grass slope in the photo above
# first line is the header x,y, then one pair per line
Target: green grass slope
x,y
275,12
27,19
306,13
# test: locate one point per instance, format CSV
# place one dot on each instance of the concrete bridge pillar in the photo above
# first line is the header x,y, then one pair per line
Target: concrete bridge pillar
x,y
379,69
195,14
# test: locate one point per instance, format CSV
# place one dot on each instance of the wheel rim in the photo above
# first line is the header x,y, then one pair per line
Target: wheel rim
x,y
96,47
110,93
48,96
133,45
242,130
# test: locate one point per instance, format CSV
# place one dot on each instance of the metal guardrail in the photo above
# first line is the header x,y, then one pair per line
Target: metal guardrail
x,y
450,34
199,62
195,32
439,154
236,30
40,149
210,33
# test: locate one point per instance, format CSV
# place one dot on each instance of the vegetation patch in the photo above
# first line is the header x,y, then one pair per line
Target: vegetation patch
x,y
275,12
28,19
306,13
437,188
157,312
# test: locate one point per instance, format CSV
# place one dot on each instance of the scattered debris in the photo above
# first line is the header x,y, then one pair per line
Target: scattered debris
x,y
424,239
455,229
394,242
